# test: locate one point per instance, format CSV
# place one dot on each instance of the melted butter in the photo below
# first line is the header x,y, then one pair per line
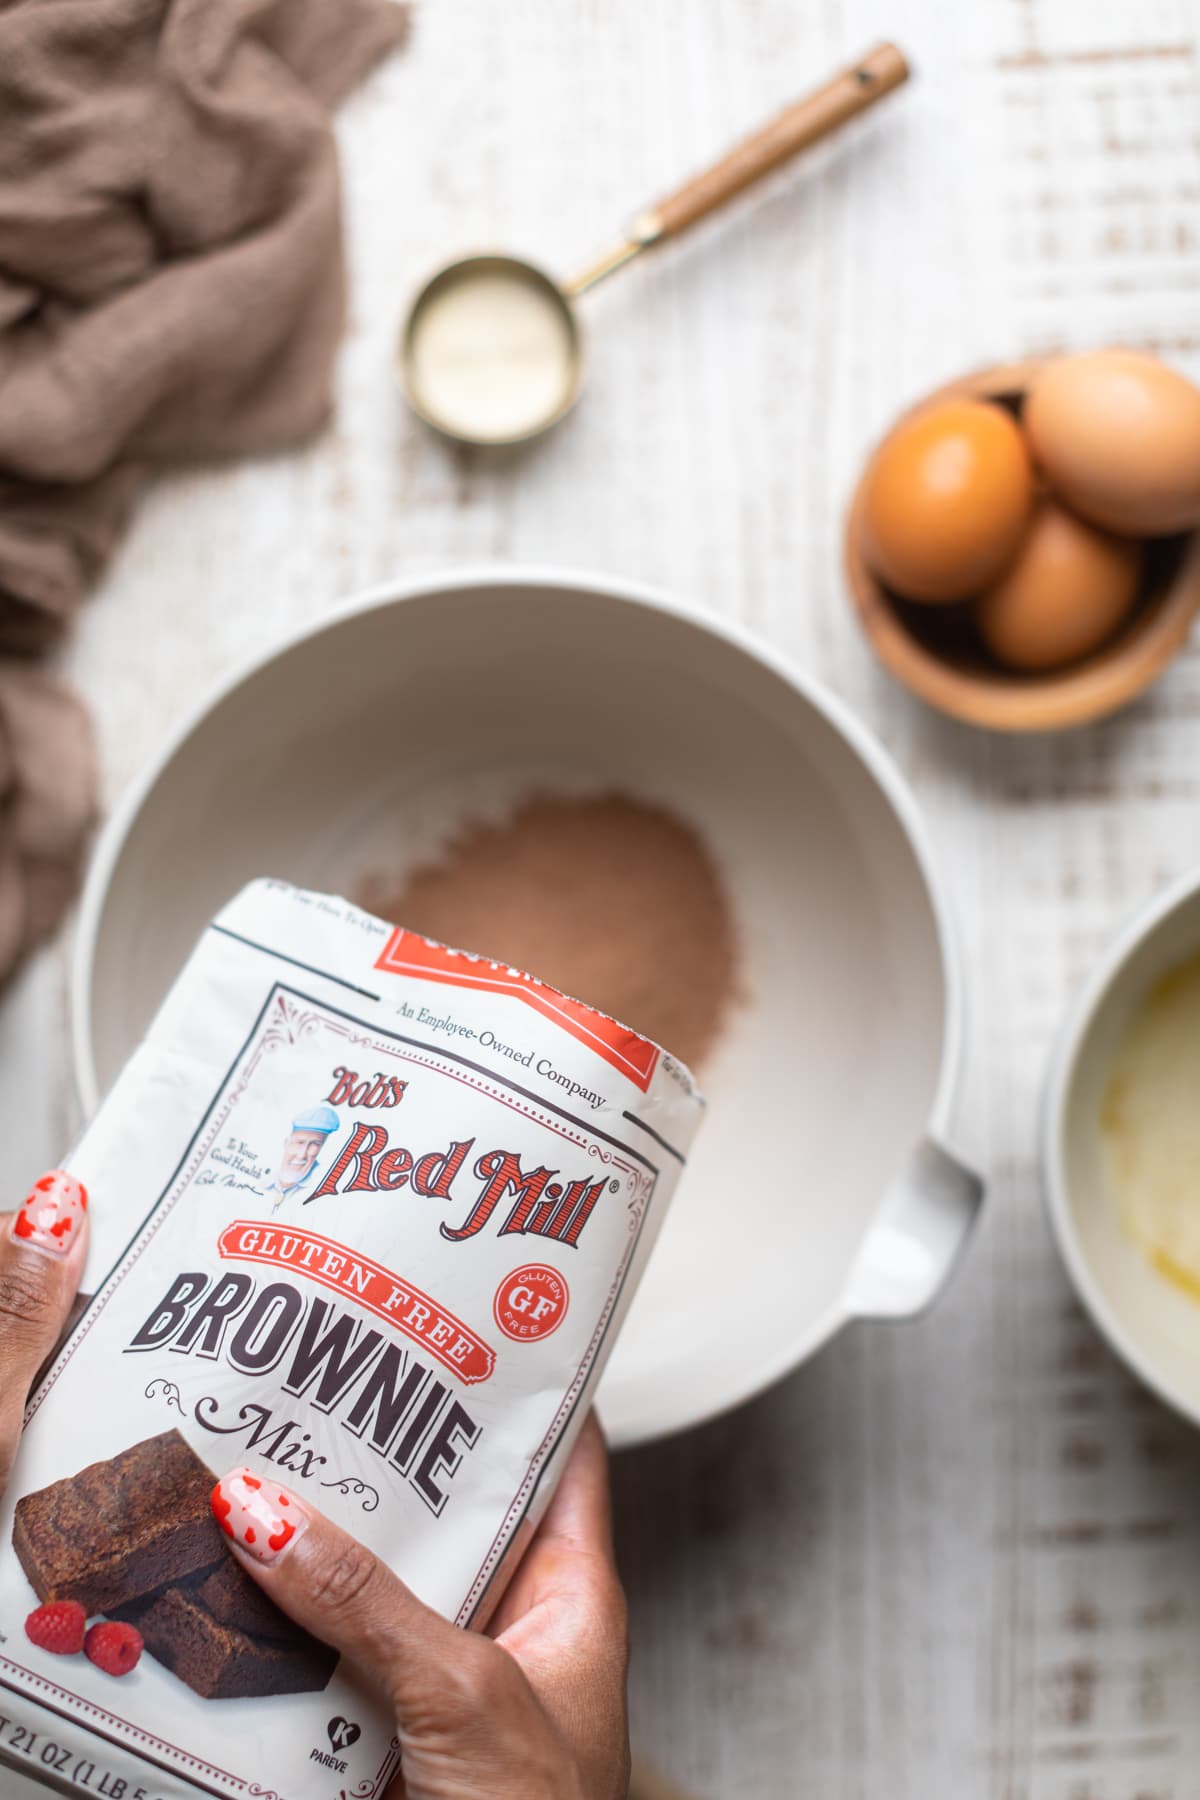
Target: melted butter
x,y
1182,1278
1150,1126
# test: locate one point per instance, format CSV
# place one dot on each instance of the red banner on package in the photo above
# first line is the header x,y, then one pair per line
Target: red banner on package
x,y
407,953
369,1285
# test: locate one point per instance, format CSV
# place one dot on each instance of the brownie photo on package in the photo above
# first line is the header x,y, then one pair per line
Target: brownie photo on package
x,y
134,1538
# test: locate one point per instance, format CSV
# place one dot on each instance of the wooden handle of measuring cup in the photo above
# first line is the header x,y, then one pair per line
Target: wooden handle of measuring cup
x,y
799,125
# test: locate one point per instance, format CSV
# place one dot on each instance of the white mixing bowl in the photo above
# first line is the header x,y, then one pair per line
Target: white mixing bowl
x,y
819,1189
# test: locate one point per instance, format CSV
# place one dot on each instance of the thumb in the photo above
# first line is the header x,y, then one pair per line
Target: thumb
x,y
340,1591
42,1247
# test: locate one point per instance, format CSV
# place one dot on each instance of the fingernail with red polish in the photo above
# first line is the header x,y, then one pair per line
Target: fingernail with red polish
x,y
51,1215
261,1517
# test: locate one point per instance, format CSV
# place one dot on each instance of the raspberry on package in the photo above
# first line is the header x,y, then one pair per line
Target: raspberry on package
x,y
58,1626
113,1647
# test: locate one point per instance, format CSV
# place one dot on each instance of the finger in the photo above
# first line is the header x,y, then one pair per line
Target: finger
x,y
42,1249
571,1560
564,1618
337,1589
579,1516
461,1704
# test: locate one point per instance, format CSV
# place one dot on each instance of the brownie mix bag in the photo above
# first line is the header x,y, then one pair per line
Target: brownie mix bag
x,y
367,1214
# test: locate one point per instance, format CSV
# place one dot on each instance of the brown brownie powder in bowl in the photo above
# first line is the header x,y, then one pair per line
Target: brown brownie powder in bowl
x,y
604,896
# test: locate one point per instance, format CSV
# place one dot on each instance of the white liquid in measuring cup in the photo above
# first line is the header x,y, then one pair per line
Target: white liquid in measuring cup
x,y
491,356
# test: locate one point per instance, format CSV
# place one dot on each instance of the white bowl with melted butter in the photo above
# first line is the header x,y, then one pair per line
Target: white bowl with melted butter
x,y
1121,1145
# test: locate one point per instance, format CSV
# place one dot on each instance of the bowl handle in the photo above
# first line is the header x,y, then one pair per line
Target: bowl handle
x,y
918,1233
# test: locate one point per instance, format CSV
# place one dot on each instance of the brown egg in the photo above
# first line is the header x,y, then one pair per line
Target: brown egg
x,y
1118,436
1067,591
946,499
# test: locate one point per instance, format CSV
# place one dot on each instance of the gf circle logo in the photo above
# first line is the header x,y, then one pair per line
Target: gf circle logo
x,y
531,1303
343,1733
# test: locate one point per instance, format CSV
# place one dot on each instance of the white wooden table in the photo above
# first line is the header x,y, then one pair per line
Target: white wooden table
x,y
946,1561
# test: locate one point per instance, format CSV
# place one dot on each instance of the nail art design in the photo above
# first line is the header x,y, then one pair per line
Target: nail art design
x,y
51,1213
258,1515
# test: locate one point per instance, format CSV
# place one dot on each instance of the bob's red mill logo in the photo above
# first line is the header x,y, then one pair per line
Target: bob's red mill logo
x,y
535,1202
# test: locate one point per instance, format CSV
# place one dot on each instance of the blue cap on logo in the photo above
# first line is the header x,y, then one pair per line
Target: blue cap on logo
x,y
316,1118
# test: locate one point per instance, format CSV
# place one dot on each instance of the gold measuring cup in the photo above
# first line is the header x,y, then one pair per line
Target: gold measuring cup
x,y
492,350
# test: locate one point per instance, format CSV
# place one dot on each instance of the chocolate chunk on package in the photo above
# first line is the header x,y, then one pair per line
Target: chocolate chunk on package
x,y
366,1216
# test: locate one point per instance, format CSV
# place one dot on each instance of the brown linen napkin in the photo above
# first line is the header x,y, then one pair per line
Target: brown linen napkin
x,y
170,273
47,803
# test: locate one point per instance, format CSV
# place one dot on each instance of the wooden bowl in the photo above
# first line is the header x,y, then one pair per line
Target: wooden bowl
x,y
934,650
